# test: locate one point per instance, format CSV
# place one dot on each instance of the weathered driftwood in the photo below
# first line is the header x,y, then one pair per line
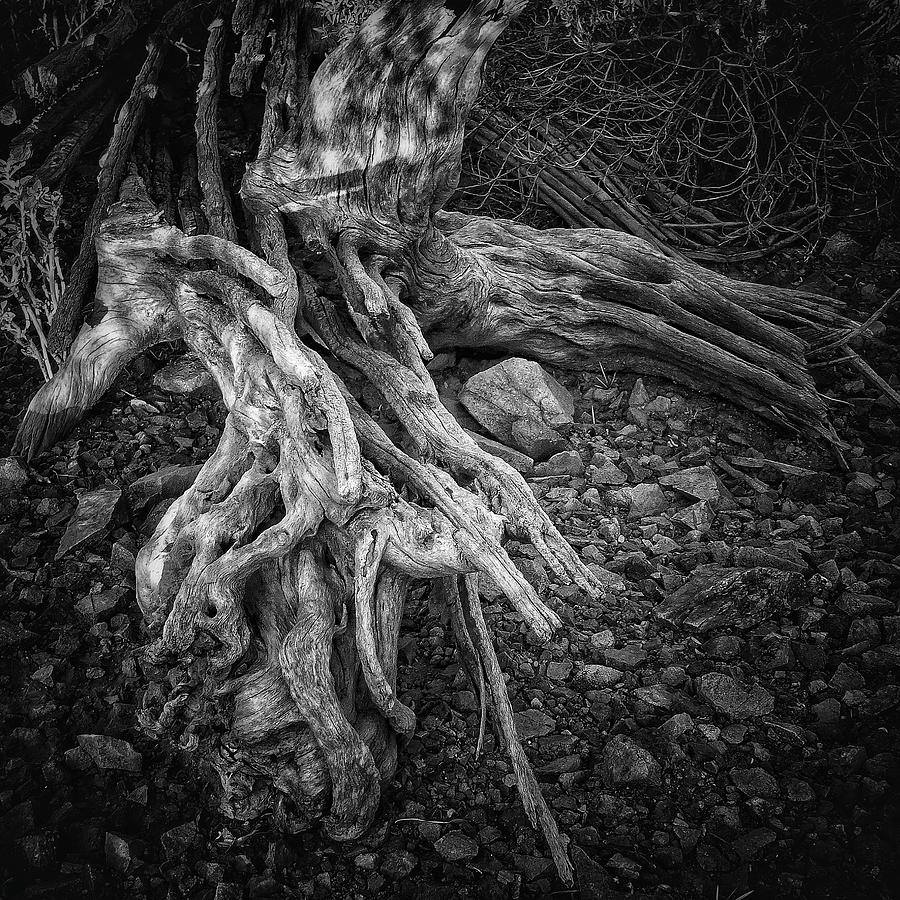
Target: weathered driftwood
x,y
277,580
577,298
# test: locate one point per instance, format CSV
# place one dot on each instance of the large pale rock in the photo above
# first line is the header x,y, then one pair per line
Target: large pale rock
x,y
92,517
521,405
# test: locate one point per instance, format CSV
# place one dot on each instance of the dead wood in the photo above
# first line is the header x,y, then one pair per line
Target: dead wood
x,y
274,585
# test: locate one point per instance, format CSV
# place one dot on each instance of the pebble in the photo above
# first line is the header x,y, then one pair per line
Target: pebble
x,y
455,846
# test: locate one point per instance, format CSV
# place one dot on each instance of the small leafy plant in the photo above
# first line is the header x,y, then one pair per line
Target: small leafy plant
x,y
31,278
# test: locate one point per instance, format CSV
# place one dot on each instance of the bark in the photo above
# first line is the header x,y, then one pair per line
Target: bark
x,y
216,204
273,587
189,201
33,142
252,30
71,144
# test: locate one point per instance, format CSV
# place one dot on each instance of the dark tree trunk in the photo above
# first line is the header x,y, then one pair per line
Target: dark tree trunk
x,y
274,586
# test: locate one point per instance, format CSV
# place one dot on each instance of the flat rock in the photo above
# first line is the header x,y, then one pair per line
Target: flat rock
x,y
532,723
595,677
169,481
457,847
696,517
863,604
607,472
98,605
624,658
520,404
92,517
756,557
714,597
646,500
566,462
570,763
110,753
755,782
13,476
186,375
699,482
625,763
735,700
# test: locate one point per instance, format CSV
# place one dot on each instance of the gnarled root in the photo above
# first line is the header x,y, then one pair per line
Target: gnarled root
x,y
274,587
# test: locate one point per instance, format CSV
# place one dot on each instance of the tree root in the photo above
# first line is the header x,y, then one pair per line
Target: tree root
x,y
298,458
274,586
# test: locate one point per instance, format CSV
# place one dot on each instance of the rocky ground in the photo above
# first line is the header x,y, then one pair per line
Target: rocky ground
x,y
724,726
